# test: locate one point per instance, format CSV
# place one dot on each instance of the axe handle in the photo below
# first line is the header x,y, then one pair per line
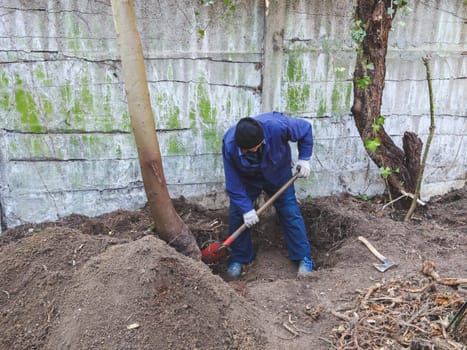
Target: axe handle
x,y
371,248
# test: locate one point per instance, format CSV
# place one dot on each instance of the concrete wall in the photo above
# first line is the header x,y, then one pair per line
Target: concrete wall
x,y
66,144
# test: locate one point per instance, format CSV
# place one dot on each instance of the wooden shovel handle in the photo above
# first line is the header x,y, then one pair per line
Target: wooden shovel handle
x,y
371,248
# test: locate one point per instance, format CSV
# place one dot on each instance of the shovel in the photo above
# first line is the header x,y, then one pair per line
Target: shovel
x,y
215,251
386,262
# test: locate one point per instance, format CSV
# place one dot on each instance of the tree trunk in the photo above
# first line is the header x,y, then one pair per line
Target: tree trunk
x,y
371,62
168,225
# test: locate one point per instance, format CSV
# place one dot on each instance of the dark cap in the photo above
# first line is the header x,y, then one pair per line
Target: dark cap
x,y
248,133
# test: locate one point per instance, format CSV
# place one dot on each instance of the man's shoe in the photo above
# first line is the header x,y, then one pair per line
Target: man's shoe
x,y
234,270
305,266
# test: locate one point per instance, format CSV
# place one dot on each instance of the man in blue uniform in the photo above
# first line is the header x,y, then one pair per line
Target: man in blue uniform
x,y
257,157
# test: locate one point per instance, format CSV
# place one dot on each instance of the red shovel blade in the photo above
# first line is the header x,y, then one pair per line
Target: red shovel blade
x,y
212,253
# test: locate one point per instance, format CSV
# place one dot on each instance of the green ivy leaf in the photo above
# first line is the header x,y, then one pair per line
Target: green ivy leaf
x,y
376,127
372,144
364,82
385,172
358,32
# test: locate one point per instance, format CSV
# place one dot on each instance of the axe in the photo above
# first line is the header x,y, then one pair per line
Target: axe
x,y
386,262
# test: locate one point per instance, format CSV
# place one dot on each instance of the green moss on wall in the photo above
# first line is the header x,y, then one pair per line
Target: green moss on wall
x,y
28,111
340,98
13,146
118,152
175,146
167,111
75,142
4,93
208,115
298,89
297,97
93,143
48,107
77,104
294,69
4,82
336,97
320,102
249,109
39,148
41,76
86,95
73,33
213,139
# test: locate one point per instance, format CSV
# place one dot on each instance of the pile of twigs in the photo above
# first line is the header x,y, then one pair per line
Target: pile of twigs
x,y
411,314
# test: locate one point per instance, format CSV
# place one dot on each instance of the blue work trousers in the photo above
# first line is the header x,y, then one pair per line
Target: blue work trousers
x,y
290,218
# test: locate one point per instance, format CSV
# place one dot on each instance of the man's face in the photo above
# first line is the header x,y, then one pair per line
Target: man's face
x,y
253,149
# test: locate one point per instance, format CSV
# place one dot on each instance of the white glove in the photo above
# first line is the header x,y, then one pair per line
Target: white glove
x,y
304,166
250,218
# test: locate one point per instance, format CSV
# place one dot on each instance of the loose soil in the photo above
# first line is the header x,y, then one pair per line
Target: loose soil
x,y
109,283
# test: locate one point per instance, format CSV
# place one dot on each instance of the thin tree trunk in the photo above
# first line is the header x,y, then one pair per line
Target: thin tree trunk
x,y
168,224
426,62
371,62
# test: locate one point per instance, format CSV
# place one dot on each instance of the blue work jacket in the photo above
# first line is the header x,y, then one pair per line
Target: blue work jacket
x,y
276,161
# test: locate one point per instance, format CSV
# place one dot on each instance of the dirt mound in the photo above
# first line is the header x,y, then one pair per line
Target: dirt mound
x,y
66,290
108,283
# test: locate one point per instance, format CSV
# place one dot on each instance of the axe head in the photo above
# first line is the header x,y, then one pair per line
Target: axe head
x,y
387,264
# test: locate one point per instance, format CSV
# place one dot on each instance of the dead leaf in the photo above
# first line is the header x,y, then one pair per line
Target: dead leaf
x,y
441,299
377,307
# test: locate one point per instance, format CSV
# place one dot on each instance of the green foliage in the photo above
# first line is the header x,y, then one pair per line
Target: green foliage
x,y
370,66
364,197
398,4
358,32
229,8
385,172
376,126
372,144
364,82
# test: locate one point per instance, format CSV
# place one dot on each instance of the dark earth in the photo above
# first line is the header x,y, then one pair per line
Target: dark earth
x,y
108,282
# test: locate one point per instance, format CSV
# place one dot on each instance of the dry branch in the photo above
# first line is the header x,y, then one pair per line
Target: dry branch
x,y
399,314
428,269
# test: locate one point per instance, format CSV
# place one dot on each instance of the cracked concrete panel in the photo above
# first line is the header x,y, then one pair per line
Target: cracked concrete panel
x,y
62,97
445,125
56,188
48,206
66,140
193,170
446,150
58,29
61,176
244,75
319,25
443,31
75,147
339,153
188,19
326,182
